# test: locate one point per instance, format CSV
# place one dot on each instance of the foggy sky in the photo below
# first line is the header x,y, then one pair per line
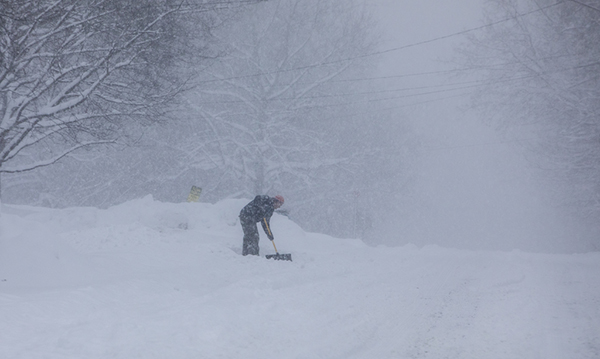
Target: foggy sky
x,y
475,189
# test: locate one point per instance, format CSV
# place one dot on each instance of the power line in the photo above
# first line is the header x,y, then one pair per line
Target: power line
x,y
475,145
585,5
461,32
375,53
470,85
453,87
278,99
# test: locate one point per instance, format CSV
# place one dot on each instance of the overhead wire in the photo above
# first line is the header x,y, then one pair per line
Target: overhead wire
x,y
381,52
474,84
453,87
585,5
483,83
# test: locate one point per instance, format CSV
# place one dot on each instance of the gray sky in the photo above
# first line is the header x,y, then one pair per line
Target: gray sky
x,y
476,187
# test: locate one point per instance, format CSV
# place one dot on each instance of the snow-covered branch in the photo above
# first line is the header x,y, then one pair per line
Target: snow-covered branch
x,y
53,159
68,65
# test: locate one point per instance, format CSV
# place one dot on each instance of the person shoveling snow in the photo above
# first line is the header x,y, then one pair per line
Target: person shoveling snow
x,y
260,209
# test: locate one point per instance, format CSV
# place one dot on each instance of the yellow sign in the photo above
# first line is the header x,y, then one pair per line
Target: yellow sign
x,y
194,194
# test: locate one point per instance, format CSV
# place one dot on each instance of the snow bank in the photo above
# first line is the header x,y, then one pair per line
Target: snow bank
x,y
154,280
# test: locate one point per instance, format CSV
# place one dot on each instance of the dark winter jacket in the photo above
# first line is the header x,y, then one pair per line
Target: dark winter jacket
x,y
259,210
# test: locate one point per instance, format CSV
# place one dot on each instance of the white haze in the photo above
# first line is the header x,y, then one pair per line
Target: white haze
x,y
466,186
475,188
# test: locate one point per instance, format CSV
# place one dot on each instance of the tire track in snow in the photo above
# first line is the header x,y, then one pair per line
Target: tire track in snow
x,y
565,293
445,308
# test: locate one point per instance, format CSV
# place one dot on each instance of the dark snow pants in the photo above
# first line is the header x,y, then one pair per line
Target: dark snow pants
x,y
250,245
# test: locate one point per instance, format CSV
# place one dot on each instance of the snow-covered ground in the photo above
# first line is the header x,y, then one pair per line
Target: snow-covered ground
x,y
159,280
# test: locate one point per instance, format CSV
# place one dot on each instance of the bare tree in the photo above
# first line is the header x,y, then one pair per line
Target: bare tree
x,y
281,108
74,72
270,105
282,112
543,86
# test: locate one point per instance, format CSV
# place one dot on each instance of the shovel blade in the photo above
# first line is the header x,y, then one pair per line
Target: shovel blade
x,y
280,257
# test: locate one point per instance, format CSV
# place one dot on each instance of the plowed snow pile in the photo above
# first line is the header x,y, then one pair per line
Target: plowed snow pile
x,y
157,280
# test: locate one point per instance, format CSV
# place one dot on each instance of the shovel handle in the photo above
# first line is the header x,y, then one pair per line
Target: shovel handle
x,y
272,241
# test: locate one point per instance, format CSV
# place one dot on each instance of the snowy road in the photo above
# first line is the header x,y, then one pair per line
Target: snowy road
x,y
129,282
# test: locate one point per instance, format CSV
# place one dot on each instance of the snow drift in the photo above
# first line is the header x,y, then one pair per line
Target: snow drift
x,y
147,279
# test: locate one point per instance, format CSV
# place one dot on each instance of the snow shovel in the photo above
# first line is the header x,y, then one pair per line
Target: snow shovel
x,y
277,256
